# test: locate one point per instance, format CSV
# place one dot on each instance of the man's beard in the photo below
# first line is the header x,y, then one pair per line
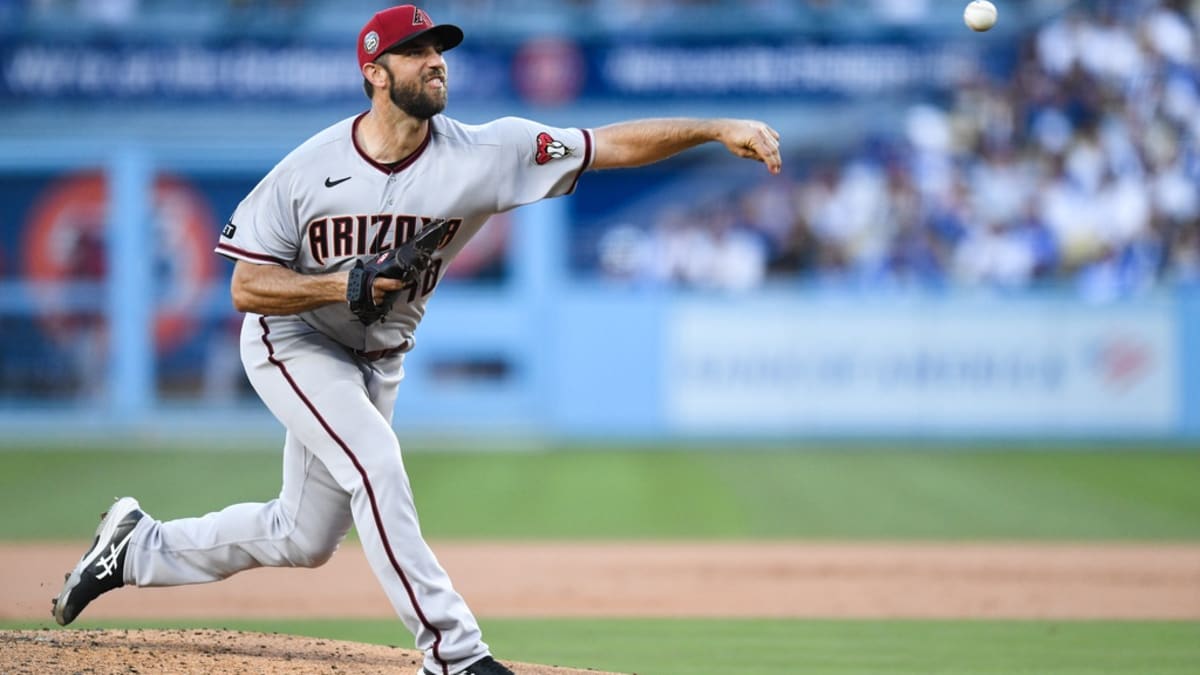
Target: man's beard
x,y
415,99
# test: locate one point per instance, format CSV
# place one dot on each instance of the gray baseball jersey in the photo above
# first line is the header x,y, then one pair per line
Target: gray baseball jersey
x,y
333,382
327,203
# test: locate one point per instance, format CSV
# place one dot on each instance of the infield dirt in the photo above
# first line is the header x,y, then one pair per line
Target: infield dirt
x,y
610,579
215,652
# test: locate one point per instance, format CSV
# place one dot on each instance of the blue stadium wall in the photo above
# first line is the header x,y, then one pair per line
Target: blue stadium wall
x,y
140,338
548,354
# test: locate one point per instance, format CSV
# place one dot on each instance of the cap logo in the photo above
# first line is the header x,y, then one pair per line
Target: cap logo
x,y
419,18
371,42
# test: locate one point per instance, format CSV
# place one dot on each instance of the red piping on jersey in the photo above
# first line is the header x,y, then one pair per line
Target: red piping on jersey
x,y
387,546
235,252
389,169
587,158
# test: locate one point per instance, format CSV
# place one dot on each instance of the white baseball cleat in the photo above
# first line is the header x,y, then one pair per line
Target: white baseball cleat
x,y
102,568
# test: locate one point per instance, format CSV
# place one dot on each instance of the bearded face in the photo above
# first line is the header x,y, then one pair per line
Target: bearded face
x,y
421,97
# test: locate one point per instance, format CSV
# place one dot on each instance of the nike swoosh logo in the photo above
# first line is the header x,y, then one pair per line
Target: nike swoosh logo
x,y
331,183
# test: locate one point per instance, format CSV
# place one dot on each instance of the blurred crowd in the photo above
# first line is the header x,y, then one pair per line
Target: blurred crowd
x,y
1081,169
572,16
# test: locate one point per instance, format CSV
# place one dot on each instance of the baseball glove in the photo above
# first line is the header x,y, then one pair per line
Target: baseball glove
x,y
406,263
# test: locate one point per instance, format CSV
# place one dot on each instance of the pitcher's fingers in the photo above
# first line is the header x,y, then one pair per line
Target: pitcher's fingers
x,y
388,285
768,151
774,161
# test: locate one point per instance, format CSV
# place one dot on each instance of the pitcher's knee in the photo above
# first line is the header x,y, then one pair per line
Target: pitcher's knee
x,y
304,539
305,552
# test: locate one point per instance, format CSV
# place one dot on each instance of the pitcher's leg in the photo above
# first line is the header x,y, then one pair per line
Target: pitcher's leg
x,y
301,528
362,453
320,394
414,580
382,380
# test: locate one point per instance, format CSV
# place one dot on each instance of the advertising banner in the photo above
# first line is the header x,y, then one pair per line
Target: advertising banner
x,y
540,71
1017,368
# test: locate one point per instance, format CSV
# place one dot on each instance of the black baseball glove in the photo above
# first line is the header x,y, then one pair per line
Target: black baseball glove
x,y
406,262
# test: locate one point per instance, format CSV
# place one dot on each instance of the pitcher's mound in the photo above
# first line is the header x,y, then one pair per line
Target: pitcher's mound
x,y
216,652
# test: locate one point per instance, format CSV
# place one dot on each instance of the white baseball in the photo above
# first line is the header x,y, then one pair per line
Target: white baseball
x,y
980,15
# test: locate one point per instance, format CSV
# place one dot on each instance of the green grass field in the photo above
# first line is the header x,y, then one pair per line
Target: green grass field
x,y
829,494
835,493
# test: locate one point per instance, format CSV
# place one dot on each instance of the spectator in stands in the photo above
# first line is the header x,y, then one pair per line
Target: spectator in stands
x,y
1081,170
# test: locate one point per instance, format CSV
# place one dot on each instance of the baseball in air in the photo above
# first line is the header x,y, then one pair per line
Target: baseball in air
x,y
980,15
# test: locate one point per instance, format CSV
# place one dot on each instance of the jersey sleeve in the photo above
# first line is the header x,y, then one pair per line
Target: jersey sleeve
x,y
544,161
263,227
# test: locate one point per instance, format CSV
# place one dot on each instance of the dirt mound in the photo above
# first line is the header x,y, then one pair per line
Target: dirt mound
x,y
216,652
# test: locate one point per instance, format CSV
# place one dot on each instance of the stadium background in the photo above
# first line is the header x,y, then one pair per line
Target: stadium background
x,y
980,242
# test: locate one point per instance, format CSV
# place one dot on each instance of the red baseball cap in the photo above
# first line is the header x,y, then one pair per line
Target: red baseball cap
x,y
396,25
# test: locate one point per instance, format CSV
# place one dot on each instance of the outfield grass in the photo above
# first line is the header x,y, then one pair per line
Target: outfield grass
x,y
831,494
779,647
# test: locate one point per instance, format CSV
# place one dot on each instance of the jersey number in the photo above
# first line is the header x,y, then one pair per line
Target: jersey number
x,y
427,283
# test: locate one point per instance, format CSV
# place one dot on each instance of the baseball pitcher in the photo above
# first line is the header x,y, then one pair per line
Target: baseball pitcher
x,y
337,251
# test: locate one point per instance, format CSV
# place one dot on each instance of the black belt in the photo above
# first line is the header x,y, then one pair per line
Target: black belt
x,y
381,353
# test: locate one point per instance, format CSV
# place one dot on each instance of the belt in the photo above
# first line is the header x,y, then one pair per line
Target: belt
x,y
381,353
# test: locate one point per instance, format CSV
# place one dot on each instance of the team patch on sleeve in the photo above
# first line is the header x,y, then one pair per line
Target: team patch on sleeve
x,y
228,230
548,149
